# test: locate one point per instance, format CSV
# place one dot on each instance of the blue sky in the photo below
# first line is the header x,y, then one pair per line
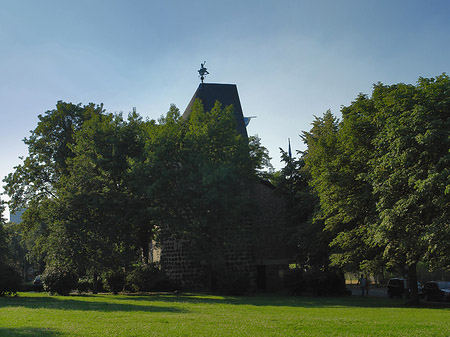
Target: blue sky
x,y
291,60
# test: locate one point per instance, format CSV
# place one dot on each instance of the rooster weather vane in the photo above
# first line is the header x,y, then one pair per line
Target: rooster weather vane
x,y
203,72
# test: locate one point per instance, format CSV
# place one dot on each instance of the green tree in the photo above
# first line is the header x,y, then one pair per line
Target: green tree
x,y
93,223
48,151
34,183
260,158
3,243
97,187
202,165
10,279
336,162
309,242
381,175
410,171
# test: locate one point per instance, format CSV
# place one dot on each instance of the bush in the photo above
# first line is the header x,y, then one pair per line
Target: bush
x,y
164,284
85,285
232,283
10,280
294,281
114,281
144,278
315,282
59,280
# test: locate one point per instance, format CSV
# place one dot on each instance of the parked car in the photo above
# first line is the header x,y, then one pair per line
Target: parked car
x,y
437,291
396,287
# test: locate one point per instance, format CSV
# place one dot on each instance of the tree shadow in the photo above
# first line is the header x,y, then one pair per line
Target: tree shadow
x,y
143,302
95,303
18,332
280,301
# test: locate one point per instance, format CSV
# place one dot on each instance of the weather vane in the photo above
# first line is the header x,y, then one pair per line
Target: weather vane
x,y
203,72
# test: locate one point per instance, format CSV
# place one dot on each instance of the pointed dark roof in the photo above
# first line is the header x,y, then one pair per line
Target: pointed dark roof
x,y
226,94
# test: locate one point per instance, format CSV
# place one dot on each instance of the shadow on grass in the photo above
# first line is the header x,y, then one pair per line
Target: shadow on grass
x,y
282,301
93,303
17,332
143,302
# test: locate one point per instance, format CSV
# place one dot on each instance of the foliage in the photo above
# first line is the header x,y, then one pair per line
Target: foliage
x,y
48,151
89,223
16,247
308,242
10,279
201,168
380,175
260,158
143,277
98,187
315,282
335,161
114,281
4,253
84,285
34,184
59,280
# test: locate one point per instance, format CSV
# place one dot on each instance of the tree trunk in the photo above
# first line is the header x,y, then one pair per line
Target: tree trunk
x,y
95,283
412,278
145,248
145,253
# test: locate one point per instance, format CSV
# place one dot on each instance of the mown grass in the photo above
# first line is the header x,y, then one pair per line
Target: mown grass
x,y
38,314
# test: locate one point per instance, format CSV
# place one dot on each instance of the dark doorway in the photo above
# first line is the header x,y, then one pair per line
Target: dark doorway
x,y
261,277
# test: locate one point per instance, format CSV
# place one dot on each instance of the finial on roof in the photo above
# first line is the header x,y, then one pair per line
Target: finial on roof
x,y
203,72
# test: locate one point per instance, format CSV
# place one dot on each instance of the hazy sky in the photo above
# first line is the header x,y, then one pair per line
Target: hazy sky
x,y
291,60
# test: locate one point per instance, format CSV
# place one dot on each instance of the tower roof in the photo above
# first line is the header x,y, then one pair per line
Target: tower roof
x,y
226,94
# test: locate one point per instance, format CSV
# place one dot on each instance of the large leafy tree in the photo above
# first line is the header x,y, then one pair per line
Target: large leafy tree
x,y
34,183
381,175
88,214
78,185
260,158
48,150
336,160
10,279
308,241
200,167
96,187
410,172
3,244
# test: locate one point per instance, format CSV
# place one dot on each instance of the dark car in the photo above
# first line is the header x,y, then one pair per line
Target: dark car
x,y
437,291
396,287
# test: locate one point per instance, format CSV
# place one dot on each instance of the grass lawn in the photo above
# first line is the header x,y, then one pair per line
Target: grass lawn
x,y
38,314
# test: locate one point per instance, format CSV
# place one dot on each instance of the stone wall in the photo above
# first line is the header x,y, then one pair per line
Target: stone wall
x,y
179,266
255,248
271,235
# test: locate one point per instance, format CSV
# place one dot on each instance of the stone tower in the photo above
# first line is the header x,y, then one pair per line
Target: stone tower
x,y
261,254
226,94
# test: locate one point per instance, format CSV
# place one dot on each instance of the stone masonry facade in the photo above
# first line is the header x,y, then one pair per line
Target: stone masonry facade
x,y
257,250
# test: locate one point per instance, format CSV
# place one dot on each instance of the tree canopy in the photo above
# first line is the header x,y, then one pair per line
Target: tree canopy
x,y
381,176
98,188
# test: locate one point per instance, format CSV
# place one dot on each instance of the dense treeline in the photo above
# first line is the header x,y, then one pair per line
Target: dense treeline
x,y
10,276
99,189
371,192
382,177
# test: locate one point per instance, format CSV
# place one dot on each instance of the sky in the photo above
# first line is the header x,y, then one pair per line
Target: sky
x,y
290,59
